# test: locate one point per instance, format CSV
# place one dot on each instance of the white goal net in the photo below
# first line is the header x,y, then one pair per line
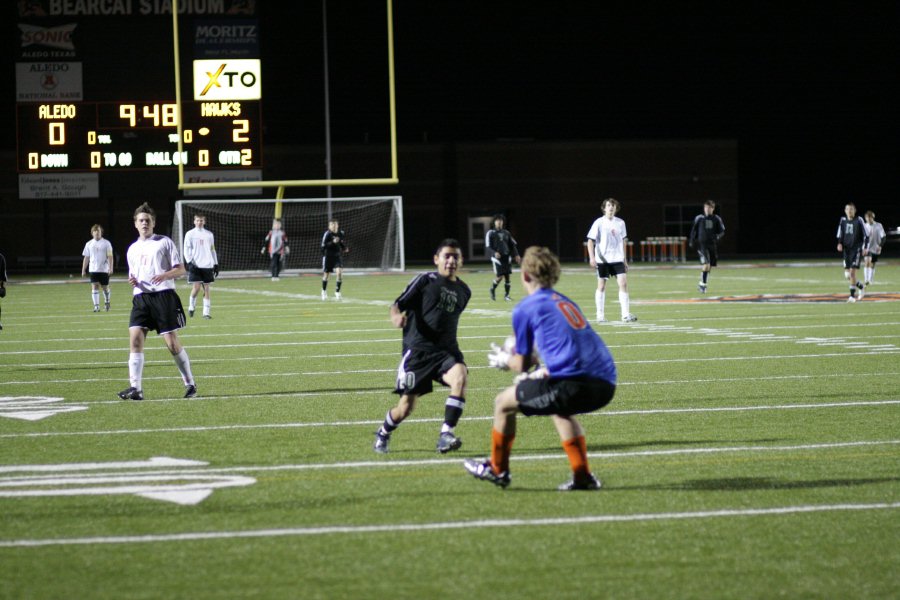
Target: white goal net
x,y
373,227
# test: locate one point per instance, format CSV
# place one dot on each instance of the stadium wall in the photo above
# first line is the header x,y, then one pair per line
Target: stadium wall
x,y
550,191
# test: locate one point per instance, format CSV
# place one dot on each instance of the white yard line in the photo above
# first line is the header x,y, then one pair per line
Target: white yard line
x,y
410,421
447,525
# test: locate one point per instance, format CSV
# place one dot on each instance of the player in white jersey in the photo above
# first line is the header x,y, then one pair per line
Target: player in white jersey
x,y
276,244
606,247
876,235
202,263
98,261
153,266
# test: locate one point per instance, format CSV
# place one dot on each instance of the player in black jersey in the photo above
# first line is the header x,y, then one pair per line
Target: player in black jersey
x,y
333,247
706,232
428,310
2,278
503,250
851,239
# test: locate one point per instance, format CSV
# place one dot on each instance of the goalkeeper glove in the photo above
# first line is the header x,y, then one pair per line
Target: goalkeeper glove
x,y
539,373
215,270
498,358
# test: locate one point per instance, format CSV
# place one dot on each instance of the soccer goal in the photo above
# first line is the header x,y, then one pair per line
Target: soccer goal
x,y
373,227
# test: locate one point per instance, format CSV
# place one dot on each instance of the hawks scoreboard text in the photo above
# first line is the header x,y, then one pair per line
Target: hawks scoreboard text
x,y
106,136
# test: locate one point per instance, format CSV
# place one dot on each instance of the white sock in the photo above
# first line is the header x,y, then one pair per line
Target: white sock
x,y
600,300
106,295
136,369
624,303
95,297
192,303
206,304
871,274
868,271
184,366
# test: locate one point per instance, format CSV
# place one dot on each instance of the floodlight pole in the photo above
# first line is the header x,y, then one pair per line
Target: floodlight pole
x,y
327,103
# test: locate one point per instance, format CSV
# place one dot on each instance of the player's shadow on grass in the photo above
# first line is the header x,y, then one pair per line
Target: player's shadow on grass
x,y
742,484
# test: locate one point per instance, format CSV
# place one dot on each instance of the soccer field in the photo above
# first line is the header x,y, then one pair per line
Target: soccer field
x,y
752,449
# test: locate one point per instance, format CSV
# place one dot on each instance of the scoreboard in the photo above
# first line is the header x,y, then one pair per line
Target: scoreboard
x,y
95,94
106,136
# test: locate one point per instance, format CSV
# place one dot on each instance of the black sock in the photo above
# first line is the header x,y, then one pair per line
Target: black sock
x,y
389,425
705,276
453,410
337,285
324,284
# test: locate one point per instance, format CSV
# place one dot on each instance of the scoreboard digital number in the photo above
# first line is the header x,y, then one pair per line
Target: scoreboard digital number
x,y
108,136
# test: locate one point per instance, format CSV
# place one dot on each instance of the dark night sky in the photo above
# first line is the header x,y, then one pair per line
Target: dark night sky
x,y
809,90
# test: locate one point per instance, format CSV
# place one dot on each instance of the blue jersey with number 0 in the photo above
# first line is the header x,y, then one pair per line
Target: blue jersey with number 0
x,y
563,337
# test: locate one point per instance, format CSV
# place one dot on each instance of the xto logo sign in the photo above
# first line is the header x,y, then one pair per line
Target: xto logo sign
x,y
227,80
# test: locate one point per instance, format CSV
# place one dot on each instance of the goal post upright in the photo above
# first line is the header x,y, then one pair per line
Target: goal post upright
x,y
393,179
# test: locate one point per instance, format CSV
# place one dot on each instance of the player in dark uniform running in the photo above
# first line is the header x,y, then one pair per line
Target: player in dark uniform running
x,y
333,247
706,232
428,310
579,375
851,239
2,280
503,250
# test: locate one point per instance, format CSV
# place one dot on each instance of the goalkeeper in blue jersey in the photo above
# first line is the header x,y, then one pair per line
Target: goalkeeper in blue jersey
x,y
578,375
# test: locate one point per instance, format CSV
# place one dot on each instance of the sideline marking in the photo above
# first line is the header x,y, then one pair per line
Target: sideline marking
x,y
443,526
35,408
777,298
183,486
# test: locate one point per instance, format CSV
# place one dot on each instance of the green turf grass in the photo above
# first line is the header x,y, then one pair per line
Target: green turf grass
x,y
751,451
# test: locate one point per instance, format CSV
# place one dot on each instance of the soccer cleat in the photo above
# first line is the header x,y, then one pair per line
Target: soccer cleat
x,y
207,316
131,393
851,299
337,295
107,307
324,295
591,483
629,318
275,279
494,294
701,287
381,442
507,298
96,308
190,391
191,312
601,319
482,469
448,442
